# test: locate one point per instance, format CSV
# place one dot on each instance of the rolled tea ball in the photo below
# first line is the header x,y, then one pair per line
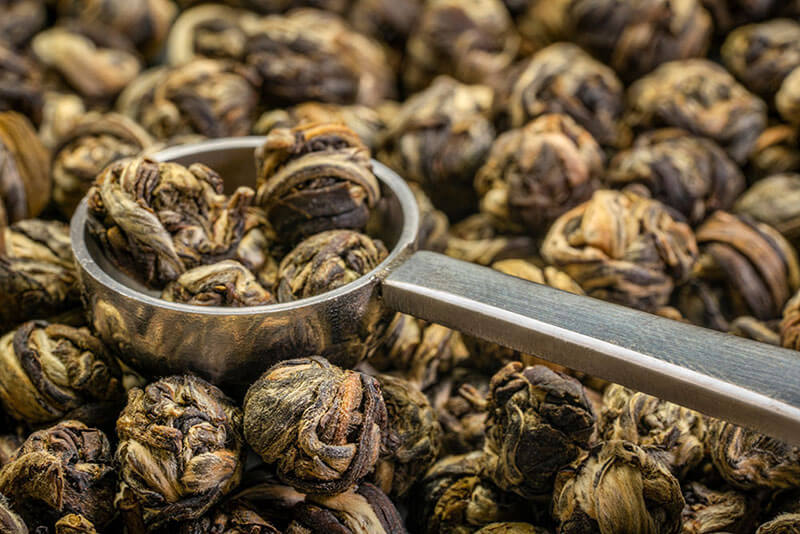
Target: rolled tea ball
x,y
214,98
535,173
326,261
783,524
74,524
787,100
231,517
227,283
476,239
439,138
459,398
315,177
562,78
749,460
96,63
632,36
65,469
50,372
708,510
617,487
10,522
362,509
309,54
21,20
60,113
512,528
25,182
95,141
414,436
473,41
692,175
208,30
776,151
654,423
745,268
775,201
388,20
20,84
157,220
37,272
702,98
623,248
180,451
321,425
539,421
144,22
763,55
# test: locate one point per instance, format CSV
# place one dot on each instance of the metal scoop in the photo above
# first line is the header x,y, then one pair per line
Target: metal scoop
x,y
743,381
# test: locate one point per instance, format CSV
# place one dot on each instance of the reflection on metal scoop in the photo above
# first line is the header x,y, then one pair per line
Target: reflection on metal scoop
x,y
721,375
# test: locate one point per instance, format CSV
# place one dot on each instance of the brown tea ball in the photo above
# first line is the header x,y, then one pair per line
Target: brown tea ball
x,y
227,283
391,21
439,138
231,517
744,268
776,151
775,201
20,84
783,524
749,460
539,421
654,423
37,272
413,436
326,261
708,511
208,30
459,398
562,78
60,113
310,54
21,20
476,239
473,41
65,469
157,220
787,100
180,451
690,174
74,524
322,426
95,141
50,372
623,248
313,178
25,182
535,173
702,98
636,36
617,487
362,509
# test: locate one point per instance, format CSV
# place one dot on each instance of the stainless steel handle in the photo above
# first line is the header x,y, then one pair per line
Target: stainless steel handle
x,y
721,375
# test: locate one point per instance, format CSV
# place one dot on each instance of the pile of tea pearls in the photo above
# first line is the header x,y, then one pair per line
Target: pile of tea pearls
x,y
642,152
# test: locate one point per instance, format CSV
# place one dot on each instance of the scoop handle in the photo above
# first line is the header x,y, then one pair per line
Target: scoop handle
x,y
743,381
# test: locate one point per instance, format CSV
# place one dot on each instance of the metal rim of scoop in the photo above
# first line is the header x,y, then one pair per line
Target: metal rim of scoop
x,y
405,243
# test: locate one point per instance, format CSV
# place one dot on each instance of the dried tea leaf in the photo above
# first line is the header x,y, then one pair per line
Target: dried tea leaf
x,y
326,261
180,452
690,174
788,98
313,55
702,98
745,268
730,13
709,511
321,425
636,36
616,488
650,422
9,444
10,522
751,328
232,517
37,272
414,436
783,524
539,422
391,21
227,283
157,220
473,41
50,372
512,528
363,510
623,248
210,30
476,239
21,20
562,78
775,201
64,469
20,84
459,399
60,113
433,224
74,524
315,177
144,22
776,151
749,460
95,141
25,183
439,138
